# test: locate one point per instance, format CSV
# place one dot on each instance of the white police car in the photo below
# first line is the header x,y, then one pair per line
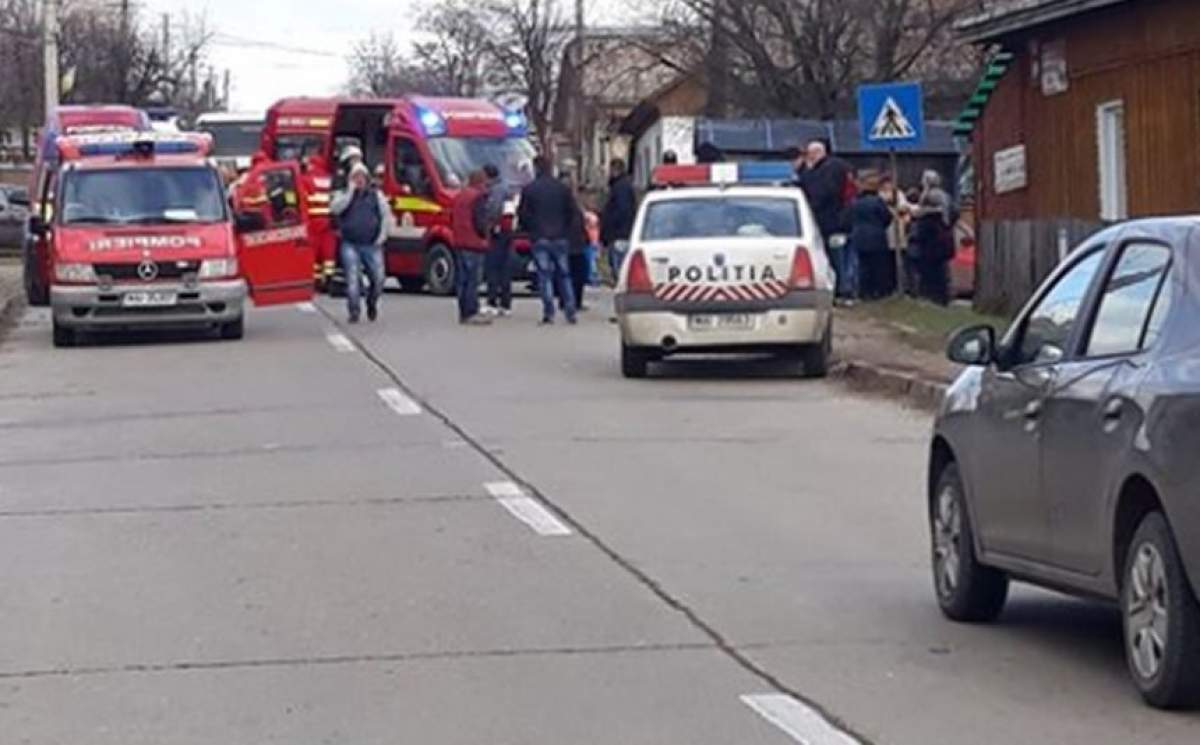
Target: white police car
x,y
724,258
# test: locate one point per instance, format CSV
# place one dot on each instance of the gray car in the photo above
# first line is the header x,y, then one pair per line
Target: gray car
x,y
14,211
1068,453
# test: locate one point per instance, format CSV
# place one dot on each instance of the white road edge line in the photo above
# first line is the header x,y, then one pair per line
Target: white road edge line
x,y
801,722
340,342
398,402
527,509
306,307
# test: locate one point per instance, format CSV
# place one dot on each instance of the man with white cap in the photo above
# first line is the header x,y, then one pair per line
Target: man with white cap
x,y
364,221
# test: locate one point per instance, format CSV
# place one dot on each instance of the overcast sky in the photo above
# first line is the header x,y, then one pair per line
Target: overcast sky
x,y
277,48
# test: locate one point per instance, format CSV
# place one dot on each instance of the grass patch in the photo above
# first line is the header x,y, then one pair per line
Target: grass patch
x,y
924,324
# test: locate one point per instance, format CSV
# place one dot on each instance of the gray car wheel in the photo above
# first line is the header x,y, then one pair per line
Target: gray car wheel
x,y
1161,618
966,590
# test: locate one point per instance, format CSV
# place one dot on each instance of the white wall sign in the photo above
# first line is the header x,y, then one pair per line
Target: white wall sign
x,y
1055,78
1010,171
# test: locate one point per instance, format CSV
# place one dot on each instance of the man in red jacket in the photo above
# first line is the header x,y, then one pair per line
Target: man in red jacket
x,y
468,218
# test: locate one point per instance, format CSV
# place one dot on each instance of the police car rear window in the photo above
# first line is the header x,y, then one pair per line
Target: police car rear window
x,y
722,217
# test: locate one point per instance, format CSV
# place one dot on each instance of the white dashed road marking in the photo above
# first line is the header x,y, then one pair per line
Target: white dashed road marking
x,y
340,342
527,509
306,308
398,402
801,722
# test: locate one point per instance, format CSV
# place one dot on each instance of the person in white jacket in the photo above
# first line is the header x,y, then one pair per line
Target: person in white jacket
x,y
364,222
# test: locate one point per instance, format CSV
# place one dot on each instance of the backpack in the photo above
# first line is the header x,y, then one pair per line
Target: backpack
x,y
361,222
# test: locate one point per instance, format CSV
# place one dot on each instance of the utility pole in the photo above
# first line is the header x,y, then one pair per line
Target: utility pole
x,y
50,55
716,64
166,39
580,97
225,91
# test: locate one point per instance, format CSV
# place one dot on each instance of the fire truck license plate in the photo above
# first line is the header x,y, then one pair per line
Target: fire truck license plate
x,y
721,321
148,299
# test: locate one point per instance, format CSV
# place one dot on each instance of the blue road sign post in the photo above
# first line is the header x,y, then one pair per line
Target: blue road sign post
x,y
891,116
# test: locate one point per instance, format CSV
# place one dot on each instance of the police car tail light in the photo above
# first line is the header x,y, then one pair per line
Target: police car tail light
x,y
78,274
639,274
218,268
802,269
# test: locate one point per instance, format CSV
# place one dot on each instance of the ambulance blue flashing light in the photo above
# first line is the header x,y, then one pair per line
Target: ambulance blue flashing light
x,y
432,122
517,123
140,147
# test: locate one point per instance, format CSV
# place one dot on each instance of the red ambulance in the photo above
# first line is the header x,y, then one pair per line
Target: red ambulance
x,y
139,233
427,147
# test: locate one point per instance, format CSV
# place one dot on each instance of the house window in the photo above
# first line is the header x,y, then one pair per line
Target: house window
x,y
1110,136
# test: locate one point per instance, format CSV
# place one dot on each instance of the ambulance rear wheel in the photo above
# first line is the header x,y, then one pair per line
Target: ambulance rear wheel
x,y
634,361
63,336
234,330
439,270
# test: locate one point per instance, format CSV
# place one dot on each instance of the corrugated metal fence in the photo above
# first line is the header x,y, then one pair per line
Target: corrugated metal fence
x,y
1014,256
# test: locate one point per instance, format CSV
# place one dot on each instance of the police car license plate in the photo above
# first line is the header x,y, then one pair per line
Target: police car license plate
x,y
149,299
721,322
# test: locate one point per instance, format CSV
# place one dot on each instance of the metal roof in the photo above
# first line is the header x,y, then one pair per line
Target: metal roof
x,y
1008,16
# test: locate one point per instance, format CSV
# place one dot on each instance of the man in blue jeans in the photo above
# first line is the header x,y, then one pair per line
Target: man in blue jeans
x,y
548,211
364,219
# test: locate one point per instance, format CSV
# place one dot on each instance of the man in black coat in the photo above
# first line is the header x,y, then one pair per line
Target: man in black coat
x,y
825,180
547,213
616,224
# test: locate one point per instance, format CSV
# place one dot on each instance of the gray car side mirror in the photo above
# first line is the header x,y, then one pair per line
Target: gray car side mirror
x,y
974,346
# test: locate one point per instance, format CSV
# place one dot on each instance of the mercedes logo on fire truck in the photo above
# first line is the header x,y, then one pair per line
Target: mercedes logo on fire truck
x,y
147,271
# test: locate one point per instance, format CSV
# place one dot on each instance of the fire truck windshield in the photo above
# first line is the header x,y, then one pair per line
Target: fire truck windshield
x,y
458,157
132,196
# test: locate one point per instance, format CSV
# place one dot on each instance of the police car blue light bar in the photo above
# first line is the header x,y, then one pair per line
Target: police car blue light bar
x,y
765,172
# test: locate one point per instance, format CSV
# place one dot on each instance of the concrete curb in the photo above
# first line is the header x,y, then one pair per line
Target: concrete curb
x,y
863,376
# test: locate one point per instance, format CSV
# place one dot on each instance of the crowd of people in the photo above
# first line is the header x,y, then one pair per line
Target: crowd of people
x,y
880,238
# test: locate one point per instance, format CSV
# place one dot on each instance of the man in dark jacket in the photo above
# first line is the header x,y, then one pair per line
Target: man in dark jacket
x,y
548,211
824,180
616,224
498,264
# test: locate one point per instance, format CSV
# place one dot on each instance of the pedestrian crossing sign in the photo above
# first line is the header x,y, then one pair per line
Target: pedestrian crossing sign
x,y
891,116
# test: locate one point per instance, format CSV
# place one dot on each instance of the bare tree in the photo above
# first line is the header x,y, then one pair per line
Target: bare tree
x,y
804,57
525,50
455,50
21,58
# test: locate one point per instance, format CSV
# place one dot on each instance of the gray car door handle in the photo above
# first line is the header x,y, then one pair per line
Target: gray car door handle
x,y
1033,410
1113,409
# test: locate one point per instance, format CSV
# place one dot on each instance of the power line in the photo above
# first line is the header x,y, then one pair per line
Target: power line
x,y
229,40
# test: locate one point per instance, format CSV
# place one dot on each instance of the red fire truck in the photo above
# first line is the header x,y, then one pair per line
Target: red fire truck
x,y
427,148
66,120
138,232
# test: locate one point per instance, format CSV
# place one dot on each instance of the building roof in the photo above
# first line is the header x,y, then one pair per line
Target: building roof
x,y
777,135
1004,17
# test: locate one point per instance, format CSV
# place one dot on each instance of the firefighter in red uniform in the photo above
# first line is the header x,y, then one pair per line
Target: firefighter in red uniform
x,y
318,182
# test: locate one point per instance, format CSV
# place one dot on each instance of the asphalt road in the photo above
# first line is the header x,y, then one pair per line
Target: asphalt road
x,y
226,543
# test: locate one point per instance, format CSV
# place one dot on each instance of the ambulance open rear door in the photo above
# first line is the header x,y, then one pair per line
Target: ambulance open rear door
x,y
274,250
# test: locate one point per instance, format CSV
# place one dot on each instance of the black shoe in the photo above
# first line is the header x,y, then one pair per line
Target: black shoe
x,y
572,320
372,313
353,319
546,322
